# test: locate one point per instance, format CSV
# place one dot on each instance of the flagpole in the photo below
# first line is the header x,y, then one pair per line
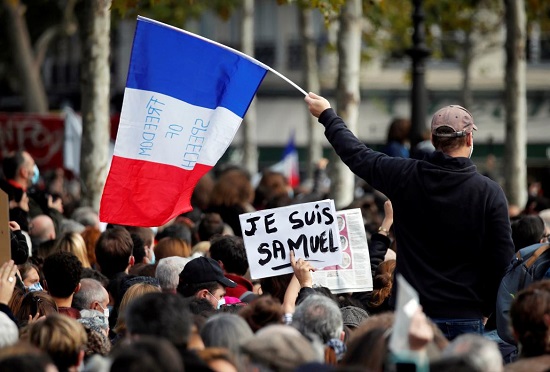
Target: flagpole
x,y
286,79
230,49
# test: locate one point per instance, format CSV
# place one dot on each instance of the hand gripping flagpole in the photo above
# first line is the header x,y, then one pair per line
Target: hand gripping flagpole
x,y
253,60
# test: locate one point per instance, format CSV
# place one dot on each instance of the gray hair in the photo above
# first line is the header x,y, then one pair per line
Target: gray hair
x,y
481,353
318,315
168,271
70,226
90,290
86,216
226,330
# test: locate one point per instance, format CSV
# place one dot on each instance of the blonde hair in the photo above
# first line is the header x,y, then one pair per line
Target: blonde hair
x,y
62,337
135,291
201,248
74,243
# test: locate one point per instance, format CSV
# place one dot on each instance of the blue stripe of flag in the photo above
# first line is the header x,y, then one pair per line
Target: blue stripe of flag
x,y
185,67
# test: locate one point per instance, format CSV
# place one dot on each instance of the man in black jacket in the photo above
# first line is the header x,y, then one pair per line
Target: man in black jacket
x,y
451,223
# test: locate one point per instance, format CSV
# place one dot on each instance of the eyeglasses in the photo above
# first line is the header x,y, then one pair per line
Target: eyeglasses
x,y
545,237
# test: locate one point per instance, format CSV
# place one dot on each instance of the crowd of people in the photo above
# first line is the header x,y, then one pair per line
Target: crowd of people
x,y
79,295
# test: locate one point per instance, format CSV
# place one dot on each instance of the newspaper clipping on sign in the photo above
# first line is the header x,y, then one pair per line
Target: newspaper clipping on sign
x,y
354,273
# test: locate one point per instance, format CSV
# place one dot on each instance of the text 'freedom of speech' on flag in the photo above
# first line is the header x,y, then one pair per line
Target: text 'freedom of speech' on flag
x,y
184,100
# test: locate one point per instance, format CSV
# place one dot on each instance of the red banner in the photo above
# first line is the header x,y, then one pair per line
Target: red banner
x,y
40,135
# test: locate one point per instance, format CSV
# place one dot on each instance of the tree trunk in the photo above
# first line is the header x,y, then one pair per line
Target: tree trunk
x,y
309,46
249,123
95,27
347,97
515,172
28,72
467,57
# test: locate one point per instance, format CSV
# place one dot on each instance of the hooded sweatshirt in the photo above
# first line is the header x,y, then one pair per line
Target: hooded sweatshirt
x,y
451,223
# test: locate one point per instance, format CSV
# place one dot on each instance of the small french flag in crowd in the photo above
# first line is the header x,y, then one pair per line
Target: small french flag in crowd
x,y
184,100
289,164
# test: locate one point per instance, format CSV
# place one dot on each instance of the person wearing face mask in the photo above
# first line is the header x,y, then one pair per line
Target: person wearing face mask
x,y
26,199
203,277
91,296
30,276
18,169
447,217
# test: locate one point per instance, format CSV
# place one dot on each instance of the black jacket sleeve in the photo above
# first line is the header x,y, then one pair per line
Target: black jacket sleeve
x,y
304,292
19,247
378,247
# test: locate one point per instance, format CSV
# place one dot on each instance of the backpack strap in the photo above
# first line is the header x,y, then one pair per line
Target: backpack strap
x,y
536,255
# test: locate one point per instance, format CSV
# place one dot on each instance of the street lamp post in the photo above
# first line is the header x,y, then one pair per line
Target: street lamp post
x,y
418,53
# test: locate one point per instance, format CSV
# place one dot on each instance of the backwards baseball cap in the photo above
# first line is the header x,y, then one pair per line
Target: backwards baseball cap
x,y
203,270
455,117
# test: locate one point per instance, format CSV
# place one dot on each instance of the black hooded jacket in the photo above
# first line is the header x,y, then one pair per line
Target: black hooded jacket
x,y
451,223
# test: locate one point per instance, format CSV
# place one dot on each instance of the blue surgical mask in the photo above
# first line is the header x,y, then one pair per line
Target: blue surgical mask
x,y
35,287
153,258
36,175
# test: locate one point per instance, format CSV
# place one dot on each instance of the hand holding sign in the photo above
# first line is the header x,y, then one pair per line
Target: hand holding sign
x,y
302,270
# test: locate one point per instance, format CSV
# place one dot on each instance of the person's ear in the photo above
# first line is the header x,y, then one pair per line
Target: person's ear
x,y
343,336
470,139
203,293
221,265
131,261
77,288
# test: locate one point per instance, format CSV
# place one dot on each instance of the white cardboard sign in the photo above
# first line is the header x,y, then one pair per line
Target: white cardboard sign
x,y
310,229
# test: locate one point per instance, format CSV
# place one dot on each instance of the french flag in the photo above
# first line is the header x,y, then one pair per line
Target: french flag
x,y
184,100
289,164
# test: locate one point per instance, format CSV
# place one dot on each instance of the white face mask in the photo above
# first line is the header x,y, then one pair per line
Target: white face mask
x,y
220,302
106,311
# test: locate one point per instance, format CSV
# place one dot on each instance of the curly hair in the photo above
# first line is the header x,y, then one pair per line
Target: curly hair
x,y
62,271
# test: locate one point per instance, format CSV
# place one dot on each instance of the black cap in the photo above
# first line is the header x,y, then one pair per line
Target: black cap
x,y
203,270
